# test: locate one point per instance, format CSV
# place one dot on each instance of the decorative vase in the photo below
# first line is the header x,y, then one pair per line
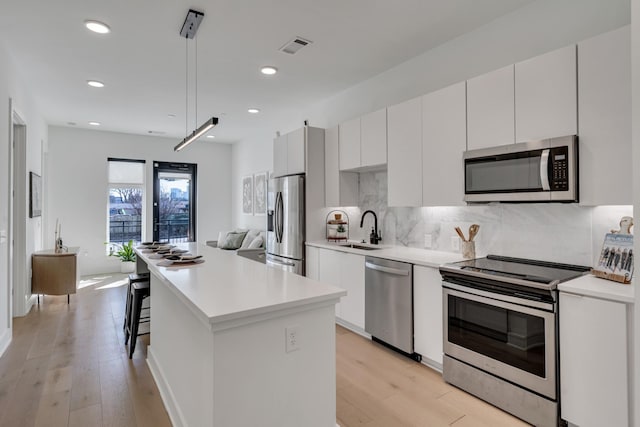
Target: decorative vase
x,y
127,267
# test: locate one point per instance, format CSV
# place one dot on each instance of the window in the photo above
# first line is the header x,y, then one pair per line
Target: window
x,y
126,201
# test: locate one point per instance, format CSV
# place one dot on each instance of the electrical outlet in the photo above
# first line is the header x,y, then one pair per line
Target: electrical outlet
x,y
291,336
455,243
427,241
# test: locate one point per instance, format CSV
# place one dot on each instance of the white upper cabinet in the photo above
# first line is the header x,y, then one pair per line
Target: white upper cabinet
x,y
373,138
604,97
280,156
350,144
546,96
404,165
443,143
289,153
490,109
363,141
341,188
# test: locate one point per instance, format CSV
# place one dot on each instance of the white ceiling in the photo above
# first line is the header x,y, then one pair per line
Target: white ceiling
x,y
143,60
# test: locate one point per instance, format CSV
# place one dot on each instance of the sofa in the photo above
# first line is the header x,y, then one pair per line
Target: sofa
x,y
247,243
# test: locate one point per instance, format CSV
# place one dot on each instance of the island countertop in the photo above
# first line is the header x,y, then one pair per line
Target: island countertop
x,y
227,287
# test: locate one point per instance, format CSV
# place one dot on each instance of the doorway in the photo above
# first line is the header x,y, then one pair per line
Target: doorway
x,y
174,202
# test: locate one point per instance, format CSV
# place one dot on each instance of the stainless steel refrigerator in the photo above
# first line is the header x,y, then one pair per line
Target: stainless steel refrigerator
x,y
286,223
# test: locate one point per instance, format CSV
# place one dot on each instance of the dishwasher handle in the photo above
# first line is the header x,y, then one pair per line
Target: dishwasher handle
x,y
384,269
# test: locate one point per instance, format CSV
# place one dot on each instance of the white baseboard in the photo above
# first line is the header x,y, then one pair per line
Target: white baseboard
x,y
175,415
5,340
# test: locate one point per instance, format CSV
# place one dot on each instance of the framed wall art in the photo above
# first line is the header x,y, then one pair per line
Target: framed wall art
x,y
260,193
247,195
35,191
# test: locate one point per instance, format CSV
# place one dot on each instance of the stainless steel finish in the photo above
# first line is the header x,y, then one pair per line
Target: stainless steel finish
x,y
285,204
286,264
396,271
388,313
543,196
546,286
545,386
544,170
506,298
522,403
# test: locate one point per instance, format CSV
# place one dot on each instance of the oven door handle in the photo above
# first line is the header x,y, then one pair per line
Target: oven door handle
x,y
533,304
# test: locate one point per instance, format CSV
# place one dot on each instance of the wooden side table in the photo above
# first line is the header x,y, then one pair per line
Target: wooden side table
x,y
54,273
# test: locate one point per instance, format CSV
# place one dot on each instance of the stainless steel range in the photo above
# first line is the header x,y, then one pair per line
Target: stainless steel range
x,y
501,332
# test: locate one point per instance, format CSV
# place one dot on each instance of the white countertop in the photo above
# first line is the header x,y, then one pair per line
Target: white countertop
x,y
417,256
596,287
227,286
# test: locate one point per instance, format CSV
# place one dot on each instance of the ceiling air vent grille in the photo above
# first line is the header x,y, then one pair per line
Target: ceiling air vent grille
x,y
294,45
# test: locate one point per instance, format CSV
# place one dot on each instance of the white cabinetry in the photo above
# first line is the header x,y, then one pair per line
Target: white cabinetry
x,y
373,139
546,96
593,361
427,315
604,88
490,109
363,141
341,188
312,262
289,153
443,143
345,271
405,153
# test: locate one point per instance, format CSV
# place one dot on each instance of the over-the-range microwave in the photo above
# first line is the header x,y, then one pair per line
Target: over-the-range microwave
x,y
537,171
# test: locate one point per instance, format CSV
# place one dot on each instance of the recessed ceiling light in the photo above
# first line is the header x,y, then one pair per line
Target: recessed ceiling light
x,y
268,70
94,123
71,123
253,110
97,27
171,116
211,136
95,83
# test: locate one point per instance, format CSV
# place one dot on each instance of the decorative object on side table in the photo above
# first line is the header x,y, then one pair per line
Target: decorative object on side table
x,y
126,254
260,194
616,258
247,195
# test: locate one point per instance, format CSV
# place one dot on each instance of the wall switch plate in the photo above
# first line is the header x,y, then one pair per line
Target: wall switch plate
x,y
455,243
427,241
291,337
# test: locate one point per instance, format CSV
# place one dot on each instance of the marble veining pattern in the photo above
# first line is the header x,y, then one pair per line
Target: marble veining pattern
x,y
567,233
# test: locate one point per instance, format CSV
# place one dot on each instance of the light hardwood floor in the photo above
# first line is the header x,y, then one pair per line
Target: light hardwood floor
x,y
67,366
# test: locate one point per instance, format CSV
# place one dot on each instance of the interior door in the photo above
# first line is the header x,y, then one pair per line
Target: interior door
x,y
174,202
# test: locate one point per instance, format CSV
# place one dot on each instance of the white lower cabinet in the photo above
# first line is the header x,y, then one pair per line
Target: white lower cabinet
x,y
312,262
593,361
427,314
345,271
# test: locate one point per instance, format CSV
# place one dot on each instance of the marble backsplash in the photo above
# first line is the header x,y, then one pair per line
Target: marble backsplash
x,y
567,233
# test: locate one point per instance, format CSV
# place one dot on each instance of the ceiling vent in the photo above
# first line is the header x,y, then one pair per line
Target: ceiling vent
x,y
294,45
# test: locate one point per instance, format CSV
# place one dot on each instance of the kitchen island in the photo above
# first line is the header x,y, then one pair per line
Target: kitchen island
x,y
237,343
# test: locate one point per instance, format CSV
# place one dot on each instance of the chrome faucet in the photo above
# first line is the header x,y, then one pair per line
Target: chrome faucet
x,y
374,238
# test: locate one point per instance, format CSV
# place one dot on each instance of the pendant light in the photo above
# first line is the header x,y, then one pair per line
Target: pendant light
x,y
188,31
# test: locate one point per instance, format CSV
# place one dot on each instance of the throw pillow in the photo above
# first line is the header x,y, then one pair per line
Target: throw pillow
x,y
251,234
232,240
256,243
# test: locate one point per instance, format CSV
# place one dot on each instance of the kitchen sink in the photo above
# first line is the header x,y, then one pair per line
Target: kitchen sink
x,y
357,246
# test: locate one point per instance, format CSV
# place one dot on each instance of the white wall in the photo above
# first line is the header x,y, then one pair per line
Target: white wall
x,y
11,87
635,133
78,187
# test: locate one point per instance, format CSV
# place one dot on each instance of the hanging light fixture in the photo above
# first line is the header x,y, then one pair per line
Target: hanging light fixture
x,y
188,31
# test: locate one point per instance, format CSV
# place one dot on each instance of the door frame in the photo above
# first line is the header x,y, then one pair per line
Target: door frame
x,y
191,168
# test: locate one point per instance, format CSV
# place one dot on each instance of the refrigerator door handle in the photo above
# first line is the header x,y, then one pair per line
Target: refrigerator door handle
x,y
280,219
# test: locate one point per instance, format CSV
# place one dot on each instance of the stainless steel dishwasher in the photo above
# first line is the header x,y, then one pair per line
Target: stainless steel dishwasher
x,y
388,308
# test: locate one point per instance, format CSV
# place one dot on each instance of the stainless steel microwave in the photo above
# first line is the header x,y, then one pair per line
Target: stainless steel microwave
x,y
537,171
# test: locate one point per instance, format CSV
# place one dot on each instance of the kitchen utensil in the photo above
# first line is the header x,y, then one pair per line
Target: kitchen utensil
x,y
459,231
473,230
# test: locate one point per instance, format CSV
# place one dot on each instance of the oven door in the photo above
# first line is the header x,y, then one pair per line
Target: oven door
x,y
509,340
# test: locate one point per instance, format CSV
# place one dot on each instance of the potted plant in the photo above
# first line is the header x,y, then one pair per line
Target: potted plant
x,y
126,254
341,230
